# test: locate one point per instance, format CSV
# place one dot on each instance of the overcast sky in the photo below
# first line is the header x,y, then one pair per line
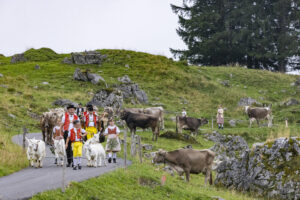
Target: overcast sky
x,y
78,25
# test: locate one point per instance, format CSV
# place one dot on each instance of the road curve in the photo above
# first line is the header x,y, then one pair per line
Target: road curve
x,y
30,181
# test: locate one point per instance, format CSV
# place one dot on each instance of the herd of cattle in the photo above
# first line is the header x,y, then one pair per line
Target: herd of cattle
x,y
185,161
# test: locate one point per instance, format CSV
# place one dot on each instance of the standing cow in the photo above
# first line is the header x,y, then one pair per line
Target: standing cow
x,y
259,114
134,120
188,161
189,123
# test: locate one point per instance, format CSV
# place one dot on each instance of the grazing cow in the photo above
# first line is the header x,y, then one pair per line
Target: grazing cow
x,y
36,152
94,152
59,150
134,120
188,161
189,123
155,111
259,114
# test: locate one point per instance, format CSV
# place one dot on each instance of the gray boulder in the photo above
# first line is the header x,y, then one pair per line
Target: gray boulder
x,y
225,83
87,76
108,98
124,79
147,147
64,102
12,116
248,101
1,75
132,90
297,81
85,58
18,58
291,102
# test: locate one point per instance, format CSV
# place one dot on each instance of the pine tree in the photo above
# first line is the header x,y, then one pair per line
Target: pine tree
x,y
258,34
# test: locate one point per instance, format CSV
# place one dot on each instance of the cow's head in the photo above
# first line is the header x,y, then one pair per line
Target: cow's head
x,y
246,109
203,121
159,156
123,114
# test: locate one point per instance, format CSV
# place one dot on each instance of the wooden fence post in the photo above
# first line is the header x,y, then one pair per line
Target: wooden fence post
x,y
133,145
125,148
212,123
24,136
140,148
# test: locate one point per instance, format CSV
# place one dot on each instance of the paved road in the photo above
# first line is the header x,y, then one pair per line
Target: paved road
x,y
30,181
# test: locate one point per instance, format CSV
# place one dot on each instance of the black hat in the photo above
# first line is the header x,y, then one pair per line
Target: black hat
x,y
76,122
70,106
80,104
90,108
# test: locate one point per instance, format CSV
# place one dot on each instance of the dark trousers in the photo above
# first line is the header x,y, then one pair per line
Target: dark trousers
x,y
69,149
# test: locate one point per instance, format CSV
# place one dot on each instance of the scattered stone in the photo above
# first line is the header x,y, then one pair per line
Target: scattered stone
x,y
45,83
248,101
12,116
291,102
245,87
37,67
1,75
293,84
18,58
132,90
124,79
177,136
225,83
147,147
108,98
230,75
36,87
283,91
158,104
127,66
173,118
85,58
188,147
217,198
64,102
169,170
297,81
87,76
232,122
4,86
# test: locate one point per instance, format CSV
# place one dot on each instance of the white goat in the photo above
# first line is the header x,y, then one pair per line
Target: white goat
x,y
94,152
60,151
36,152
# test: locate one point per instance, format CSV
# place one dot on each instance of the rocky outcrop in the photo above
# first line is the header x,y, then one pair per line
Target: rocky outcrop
x,y
64,102
269,169
85,58
132,90
87,76
18,58
291,102
108,98
248,101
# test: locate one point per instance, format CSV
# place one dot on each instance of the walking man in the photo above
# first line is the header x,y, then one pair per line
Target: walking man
x,y
67,125
91,122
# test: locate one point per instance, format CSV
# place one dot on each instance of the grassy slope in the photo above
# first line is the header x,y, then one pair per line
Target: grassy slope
x,y
160,77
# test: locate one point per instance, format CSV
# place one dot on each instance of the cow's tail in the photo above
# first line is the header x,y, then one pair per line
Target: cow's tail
x,y
210,178
177,124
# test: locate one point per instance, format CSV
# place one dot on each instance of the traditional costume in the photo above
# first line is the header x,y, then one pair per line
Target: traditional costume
x,y
220,118
58,134
75,137
90,123
67,121
113,143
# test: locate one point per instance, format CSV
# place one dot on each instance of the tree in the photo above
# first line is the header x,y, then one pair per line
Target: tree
x,y
258,34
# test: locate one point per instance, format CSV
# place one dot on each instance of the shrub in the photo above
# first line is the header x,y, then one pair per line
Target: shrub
x,y
42,54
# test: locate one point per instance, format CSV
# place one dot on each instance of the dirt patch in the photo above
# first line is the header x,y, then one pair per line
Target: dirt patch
x,y
146,181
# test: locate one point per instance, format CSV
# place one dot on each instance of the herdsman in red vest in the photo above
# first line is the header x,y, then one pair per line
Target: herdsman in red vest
x,y
113,144
75,137
91,122
67,125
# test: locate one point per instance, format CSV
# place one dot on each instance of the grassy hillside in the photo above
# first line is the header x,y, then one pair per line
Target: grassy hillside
x,y
23,94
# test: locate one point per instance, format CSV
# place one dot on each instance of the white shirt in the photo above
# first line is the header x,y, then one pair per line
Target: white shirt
x,y
71,118
76,139
55,128
111,135
183,113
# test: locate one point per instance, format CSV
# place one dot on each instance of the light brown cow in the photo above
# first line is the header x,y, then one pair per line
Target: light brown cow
x,y
188,161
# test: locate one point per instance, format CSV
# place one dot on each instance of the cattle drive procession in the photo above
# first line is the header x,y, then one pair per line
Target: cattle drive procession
x,y
76,131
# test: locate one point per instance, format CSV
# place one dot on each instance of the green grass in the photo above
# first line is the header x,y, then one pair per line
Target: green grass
x,y
166,82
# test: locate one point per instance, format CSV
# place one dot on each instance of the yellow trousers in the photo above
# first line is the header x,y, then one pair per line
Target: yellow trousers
x,y
90,132
77,149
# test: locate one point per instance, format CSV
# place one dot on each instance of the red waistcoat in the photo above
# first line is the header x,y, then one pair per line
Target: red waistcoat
x,y
67,121
112,131
58,133
87,119
72,134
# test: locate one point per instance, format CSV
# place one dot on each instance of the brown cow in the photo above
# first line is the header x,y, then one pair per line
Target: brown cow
x,y
188,161
134,120
259,114
189,123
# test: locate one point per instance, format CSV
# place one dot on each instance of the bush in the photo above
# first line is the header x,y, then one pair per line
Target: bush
x,y
42,54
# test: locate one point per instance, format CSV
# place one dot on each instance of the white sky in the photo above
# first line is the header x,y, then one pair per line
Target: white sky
x,y
78,25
